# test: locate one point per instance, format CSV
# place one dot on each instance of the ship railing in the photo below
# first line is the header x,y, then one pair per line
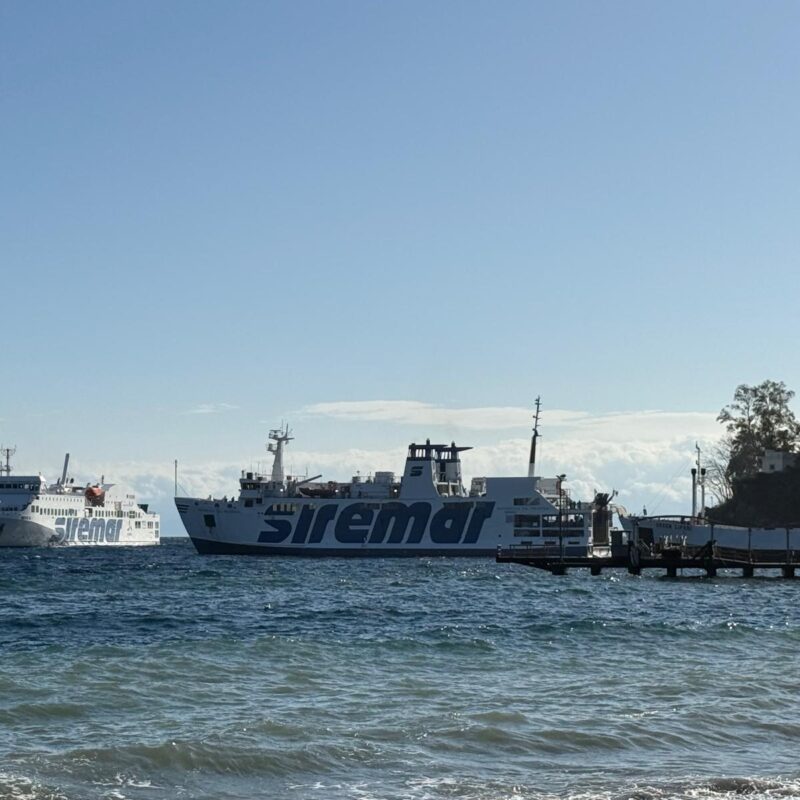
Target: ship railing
x,y
540,550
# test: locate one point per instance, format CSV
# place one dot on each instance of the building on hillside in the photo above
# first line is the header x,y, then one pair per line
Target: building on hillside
x,y
777,460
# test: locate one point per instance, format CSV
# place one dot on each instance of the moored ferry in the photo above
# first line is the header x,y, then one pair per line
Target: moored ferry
x,y
34,513
694,532
427,511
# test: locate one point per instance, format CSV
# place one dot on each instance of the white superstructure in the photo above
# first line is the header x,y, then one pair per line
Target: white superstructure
x,y
427,511
34,513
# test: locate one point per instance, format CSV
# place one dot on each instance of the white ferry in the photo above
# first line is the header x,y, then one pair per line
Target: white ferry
x,y
428,511
34,513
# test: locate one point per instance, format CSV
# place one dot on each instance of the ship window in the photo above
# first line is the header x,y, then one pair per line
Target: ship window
x,y
565,523
248,503
282,508
521,501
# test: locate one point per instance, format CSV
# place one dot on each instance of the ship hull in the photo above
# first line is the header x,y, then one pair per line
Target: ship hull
x,y
463,527
211,547
734,541
23,533
15,532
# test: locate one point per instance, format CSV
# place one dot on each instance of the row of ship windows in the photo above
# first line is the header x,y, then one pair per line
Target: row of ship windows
x,y
56,512
73,512
27,487
146,524
548,520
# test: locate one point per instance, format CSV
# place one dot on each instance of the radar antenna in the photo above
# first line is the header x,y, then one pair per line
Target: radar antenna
x,y
534,438
279,436
6,453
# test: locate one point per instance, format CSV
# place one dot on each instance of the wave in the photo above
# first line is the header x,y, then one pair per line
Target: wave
x,y
190,770
218,757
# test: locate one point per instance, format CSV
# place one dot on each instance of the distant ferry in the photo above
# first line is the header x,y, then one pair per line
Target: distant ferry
x,y
427,512
34,513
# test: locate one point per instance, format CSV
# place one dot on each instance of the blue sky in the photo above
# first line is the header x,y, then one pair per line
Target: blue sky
x,y
259,211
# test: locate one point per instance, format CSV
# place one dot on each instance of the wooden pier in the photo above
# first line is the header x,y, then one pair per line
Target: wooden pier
x,y
710,558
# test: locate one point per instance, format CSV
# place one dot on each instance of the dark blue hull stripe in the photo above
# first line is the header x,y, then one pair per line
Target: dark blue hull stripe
x,y
210,547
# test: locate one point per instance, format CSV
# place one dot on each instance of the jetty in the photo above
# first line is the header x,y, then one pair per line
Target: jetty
x,y
636,557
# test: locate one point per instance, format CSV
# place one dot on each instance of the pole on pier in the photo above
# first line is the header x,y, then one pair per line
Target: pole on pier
x,y
176,478
634,555
702,481
710,562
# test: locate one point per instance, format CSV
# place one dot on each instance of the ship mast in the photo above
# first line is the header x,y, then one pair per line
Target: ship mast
x,y
532,458
279,438
7,452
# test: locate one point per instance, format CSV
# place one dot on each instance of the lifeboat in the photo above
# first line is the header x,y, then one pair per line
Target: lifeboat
x,y
95,496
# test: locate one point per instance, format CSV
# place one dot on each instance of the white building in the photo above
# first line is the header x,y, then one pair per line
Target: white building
x,y
777,460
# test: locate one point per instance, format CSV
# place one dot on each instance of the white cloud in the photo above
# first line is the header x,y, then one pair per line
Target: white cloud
x,y
211,408
617,425
646,455
413,412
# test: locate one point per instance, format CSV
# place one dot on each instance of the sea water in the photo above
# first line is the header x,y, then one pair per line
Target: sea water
x,y
158,673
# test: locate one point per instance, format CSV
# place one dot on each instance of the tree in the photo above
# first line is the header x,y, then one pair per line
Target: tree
x,y
717,479
758,419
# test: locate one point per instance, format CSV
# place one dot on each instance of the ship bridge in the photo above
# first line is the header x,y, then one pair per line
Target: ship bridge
x,y
433,469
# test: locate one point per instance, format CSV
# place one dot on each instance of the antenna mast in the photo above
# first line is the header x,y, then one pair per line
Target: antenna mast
x,y
279,436
7,452
532,459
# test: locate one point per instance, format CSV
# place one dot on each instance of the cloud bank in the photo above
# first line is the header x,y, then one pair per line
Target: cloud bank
x,y
645,455
211,408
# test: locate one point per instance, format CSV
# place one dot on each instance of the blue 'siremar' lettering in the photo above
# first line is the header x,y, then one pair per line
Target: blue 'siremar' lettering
x,y
391,523
85,530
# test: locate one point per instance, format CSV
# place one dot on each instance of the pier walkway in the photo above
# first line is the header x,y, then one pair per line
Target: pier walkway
x,y
710,558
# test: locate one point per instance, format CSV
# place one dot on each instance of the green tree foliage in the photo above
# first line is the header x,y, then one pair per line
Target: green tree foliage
x,y
758,419
768,500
